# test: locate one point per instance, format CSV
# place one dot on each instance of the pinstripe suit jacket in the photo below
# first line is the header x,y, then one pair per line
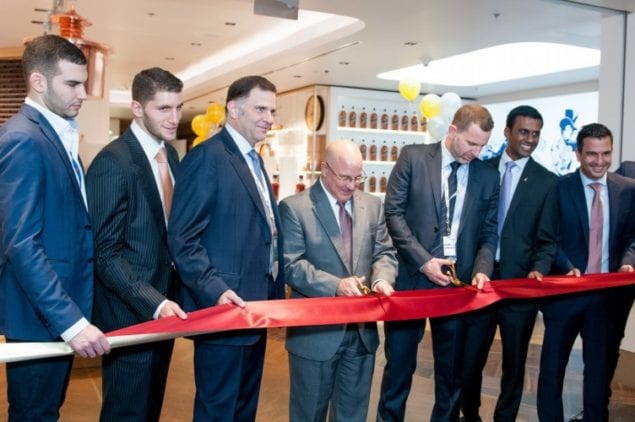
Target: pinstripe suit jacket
x,y
133,265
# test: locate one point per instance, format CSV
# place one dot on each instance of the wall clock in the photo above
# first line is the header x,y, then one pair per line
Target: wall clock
x,y
314,112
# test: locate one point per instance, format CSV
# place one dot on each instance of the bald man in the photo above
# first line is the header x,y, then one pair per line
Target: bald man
x,y
336,244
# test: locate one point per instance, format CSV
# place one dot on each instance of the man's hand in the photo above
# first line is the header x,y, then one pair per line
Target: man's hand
x,y
348,286
230,296
535,274
574,271
90,342
383,287
171,309
479,280
432,270
626,269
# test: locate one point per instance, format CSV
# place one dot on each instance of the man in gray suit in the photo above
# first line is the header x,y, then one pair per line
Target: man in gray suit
x,y
129,188
327,253
440,206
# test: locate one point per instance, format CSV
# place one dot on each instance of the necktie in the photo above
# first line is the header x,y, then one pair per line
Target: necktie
x,y
166,180
445,222
79,173
505,195
595,231
346,227
452,191
257,169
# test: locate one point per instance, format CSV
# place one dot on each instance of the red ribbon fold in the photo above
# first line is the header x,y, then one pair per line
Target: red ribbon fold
x,y
412,304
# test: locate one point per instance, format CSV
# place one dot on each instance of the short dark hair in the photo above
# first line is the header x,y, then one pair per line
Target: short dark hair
x,y
473,113
592,130
150,81
243,86
522,111
42,54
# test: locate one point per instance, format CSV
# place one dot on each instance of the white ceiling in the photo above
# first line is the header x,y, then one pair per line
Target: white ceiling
x,y
176,34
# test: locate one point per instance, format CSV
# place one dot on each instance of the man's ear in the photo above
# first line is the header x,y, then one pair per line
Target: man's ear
x,y
233,109
38,82
137,108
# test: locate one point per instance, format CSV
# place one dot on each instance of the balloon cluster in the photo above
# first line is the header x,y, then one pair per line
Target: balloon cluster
x,y
439,111
202,123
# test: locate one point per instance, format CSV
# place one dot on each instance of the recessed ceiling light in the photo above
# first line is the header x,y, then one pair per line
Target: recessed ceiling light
x,y
499,63
344,63
297,76
151,14
196,44
170,59
230,23
411,43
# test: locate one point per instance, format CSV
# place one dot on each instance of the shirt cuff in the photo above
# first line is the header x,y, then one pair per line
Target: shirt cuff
x,y
377,281
74,329
158,311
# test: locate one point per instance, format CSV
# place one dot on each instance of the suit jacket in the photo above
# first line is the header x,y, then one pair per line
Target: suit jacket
x,y
413,207
627,168
46,250
529,234
133,265
573,244
316,260
218,232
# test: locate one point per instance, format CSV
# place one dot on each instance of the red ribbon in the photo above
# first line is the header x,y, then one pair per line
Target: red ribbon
x,y
413,304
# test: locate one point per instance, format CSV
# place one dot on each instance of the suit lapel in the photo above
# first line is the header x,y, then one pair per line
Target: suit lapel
x,y
614,191
434,176
472,195
56,143
525,183
146,178
577,197
324,214
360,227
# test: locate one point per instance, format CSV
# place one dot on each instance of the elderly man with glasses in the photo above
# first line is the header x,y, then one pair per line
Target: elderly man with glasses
x,y
336,244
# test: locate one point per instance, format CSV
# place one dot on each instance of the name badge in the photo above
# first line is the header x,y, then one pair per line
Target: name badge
x,y
449,246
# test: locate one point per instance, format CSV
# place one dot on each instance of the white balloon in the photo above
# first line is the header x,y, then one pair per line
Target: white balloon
x,y
437,128
450,103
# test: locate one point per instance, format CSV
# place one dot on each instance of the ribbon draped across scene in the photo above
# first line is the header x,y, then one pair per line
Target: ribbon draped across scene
x,y
403,305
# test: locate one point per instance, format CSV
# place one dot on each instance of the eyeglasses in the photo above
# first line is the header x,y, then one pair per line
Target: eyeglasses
x,y
347,179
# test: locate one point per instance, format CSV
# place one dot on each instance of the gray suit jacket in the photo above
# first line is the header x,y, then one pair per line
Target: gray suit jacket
x,y
413,207
133,266
315,262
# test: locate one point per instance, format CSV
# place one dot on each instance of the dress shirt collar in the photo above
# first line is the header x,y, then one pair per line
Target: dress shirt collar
x,y
521,162
586,181
240,140
149,144
446,156
66,129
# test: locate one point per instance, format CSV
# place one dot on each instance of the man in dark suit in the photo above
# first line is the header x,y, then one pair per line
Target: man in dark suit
x,y
46,249
335,238
129,204
224,236
427,183
596,235
527,224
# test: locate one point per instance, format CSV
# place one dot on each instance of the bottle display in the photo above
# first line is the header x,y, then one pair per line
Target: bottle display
x,y
373,119
275,186
300,186
341,117
352,118
383,152
414,123
394,152
383,182
394,121
372,183
362,149
405,122
385,120
363,119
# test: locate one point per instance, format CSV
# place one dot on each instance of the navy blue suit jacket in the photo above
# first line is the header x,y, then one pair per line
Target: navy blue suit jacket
x,y
573,245
46,249
218,233
412,208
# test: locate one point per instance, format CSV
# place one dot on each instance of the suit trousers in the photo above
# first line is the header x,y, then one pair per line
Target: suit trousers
x,y
565,317
516,322
620,304
133,382
227,380
344,381
36,389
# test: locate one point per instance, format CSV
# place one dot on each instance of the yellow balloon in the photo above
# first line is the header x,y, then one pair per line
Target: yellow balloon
x,y
200,125
215,113
430,105
409,89
199,140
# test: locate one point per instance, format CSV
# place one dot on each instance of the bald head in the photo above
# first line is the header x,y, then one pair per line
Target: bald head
x,y
342,165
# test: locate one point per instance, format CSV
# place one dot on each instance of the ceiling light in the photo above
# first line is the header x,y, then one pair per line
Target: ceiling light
x,y
230,23
410,43
499,63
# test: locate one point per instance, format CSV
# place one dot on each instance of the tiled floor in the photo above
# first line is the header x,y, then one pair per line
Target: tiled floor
x,y
84,394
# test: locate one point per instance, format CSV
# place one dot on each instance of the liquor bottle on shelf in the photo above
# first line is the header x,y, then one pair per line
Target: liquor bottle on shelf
x,y
362,149
384,120
342,117
352,118
414,123
372,182
275,186
405,121
383,182
360,186
423,124
363,119
394,152
394,121
300,186
372,151
373,119
383,152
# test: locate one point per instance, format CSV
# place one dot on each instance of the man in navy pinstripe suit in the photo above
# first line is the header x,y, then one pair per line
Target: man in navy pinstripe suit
x,y
129,203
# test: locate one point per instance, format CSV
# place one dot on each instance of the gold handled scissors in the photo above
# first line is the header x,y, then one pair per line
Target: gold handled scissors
x,y
364,289
454,278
